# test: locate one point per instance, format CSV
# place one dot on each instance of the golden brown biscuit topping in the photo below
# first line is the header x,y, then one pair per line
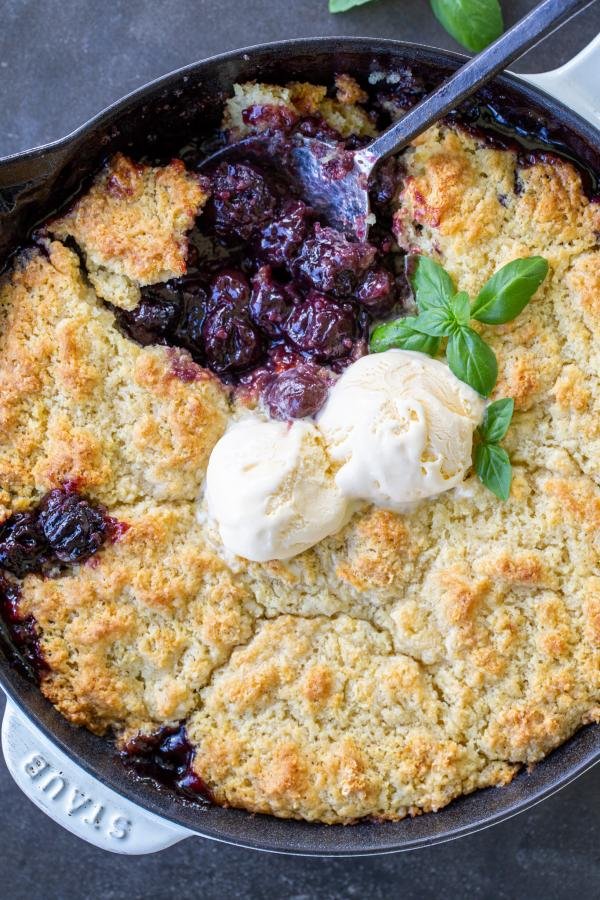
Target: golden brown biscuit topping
x,y
397,664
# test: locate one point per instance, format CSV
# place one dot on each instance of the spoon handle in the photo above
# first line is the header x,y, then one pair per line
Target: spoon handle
x,y
528,31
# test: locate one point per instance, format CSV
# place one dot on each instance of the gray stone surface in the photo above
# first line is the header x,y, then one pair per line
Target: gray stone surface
x,y
61,62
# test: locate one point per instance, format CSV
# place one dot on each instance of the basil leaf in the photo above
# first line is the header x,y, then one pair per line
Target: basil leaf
x,y
493,467
461,308
496,420
402,334
473,23
437,322
472,360
440,321
336,6
431,284
508,292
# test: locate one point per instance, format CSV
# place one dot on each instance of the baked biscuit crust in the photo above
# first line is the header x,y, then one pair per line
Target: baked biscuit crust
x,y
394,666
131,226
81,403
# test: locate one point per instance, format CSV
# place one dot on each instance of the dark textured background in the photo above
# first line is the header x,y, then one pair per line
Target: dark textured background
x,y
61,61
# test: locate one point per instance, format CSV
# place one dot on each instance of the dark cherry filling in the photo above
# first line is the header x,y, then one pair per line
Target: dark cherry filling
x,y
296,392
63,528
73,529
271,302
385,183
377,292
192,307
230,288
18,634
242,201
23,547
269,115
268,282
280,240
321,327
231,342
153,320
331,263
167,756
280,358
316,127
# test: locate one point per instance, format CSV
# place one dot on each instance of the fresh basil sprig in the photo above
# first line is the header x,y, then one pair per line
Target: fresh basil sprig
x,y
491,461
473,23
444,313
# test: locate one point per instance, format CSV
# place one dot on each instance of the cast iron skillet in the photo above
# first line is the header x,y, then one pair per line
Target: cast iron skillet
x,y
157,120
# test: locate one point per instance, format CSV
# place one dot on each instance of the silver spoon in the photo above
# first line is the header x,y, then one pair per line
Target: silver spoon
x,y
335,181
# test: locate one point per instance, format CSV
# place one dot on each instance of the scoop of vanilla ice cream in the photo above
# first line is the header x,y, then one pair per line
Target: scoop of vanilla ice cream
x,y
401,425
270,488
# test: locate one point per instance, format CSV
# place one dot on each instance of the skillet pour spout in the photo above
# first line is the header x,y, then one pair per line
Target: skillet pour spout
x,y
135,816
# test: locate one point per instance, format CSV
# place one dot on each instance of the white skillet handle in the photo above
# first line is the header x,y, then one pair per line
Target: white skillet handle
x,y
576,84
76,800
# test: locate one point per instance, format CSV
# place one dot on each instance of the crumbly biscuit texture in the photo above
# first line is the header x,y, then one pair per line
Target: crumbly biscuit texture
x,y
397,664
81,403
322,719
131,226
132,636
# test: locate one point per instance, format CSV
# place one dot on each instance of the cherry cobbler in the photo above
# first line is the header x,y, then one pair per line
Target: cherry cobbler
x,y
250,549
